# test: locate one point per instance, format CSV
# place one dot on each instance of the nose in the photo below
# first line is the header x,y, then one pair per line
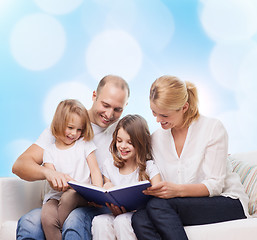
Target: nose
x,y
123,145
74,131
109,113
158,119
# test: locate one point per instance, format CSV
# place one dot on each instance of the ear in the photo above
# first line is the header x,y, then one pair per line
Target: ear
x,y
185,107
94,96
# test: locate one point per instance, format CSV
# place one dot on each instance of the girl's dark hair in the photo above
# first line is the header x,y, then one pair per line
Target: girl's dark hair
x,y
137,128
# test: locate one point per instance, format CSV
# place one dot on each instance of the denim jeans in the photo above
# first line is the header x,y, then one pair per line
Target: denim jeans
x,y
76,226
165,218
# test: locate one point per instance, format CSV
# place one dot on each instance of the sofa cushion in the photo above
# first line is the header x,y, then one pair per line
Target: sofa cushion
x,y
248,175
8,230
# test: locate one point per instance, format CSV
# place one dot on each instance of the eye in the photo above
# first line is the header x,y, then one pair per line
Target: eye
x,y
118,109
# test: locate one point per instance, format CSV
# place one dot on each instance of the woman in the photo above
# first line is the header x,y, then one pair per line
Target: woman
x,y
190,151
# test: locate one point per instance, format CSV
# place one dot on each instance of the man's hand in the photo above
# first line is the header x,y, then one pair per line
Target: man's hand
x,y
115,209
58,181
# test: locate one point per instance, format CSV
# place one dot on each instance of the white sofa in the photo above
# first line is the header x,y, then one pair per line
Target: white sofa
x,y
17,197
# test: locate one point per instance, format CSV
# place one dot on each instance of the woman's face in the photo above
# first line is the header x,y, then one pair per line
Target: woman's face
x,y
168,118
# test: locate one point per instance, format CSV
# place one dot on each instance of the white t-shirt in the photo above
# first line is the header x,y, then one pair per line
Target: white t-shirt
x,y
102,139
203,159
113,173
71,161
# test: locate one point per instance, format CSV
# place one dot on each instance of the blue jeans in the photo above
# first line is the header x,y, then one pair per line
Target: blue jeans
x,y
76,226
165,218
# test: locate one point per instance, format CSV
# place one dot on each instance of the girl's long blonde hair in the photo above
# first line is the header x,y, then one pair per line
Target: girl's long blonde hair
x,y
137,128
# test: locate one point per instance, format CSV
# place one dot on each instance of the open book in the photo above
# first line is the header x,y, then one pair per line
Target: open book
x,y
129,196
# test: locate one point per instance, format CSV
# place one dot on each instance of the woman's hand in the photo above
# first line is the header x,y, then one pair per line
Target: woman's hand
x,y
164,190
115,209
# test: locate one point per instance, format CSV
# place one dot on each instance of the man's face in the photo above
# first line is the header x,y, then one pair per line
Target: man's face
x,y
108,105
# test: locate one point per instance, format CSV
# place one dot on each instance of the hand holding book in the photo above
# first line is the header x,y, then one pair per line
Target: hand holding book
x,y
130,197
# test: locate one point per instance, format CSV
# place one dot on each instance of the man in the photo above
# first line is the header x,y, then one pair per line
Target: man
x,y
109,100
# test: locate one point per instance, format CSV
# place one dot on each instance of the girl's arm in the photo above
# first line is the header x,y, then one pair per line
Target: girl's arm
x,y
107,183
156,179
96,175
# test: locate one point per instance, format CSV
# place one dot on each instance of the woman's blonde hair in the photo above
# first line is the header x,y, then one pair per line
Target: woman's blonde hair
x,y
62,117
170,93
137,128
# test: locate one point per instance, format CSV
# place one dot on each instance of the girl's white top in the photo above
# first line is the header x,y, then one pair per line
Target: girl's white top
x,y
71,161
113,173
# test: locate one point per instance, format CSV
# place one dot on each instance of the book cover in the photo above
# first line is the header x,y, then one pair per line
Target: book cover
x,y
129,196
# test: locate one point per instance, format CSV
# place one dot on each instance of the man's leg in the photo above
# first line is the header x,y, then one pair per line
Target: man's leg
x,y
29,226
78,223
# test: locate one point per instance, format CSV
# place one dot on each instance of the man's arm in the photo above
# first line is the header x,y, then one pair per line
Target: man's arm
x,y
28,167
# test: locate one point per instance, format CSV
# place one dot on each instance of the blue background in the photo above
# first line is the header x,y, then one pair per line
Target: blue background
x,y
56,49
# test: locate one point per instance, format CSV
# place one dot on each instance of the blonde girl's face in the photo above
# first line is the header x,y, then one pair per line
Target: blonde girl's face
x,y
168,119
124,146
73,130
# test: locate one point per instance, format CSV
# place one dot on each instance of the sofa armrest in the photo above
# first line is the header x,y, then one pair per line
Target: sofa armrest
x,y
18,197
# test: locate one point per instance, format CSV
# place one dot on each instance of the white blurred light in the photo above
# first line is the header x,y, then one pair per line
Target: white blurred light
x,y
37,41
225,61
114,52
247,84
16,147
72,90
229,20
58,6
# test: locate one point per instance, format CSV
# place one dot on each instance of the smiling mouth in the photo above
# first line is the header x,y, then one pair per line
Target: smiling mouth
x,y
106,120
124,152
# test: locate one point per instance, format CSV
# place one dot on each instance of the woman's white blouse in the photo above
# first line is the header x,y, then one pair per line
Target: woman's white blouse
x,y
202,160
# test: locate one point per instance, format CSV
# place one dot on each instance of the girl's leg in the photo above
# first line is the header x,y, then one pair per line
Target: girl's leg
x,y
170,215
122,227
50,221
143,226
68,202
102,227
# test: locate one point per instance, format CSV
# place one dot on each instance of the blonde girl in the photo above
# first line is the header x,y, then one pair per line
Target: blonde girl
x,y
71,154
132,153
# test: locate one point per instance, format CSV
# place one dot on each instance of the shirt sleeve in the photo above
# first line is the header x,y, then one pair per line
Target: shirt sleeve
x,y
151,169
215,164
107,168
47,156
89,147
45,139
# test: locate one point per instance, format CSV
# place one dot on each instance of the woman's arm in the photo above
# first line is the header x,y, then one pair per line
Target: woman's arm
x,y
171,190
96,175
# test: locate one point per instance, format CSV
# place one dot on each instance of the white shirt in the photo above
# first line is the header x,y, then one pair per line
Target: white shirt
x,y
202,160
113,174
71,161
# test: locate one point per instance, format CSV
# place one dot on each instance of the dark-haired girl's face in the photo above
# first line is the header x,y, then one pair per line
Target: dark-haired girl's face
x,y
124,145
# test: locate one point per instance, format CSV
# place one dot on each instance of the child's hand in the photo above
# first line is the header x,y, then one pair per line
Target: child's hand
x,y
115,209
108,185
